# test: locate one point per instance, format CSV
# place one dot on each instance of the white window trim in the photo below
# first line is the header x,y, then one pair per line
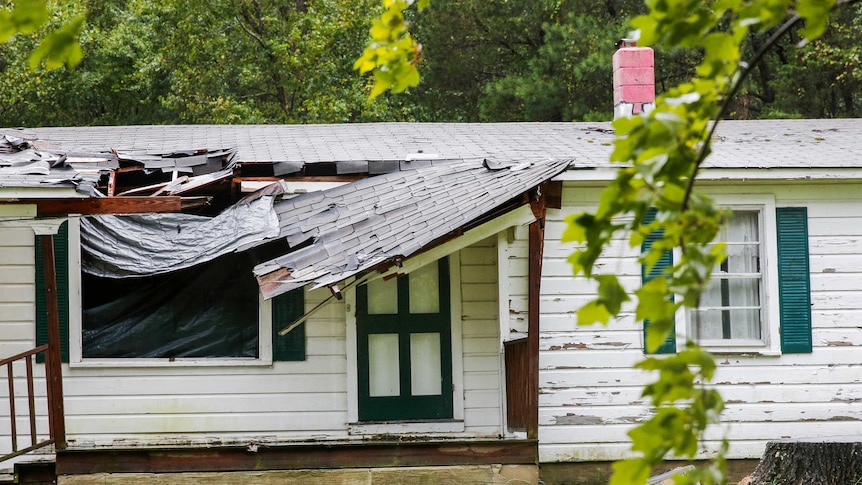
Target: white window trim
x,y
76,359
454,425
770,345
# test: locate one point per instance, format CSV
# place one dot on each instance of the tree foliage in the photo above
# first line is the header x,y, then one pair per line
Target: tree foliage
x,y
224,61
262,61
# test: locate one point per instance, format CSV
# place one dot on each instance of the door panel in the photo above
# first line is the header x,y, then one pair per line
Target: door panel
x,y
404,346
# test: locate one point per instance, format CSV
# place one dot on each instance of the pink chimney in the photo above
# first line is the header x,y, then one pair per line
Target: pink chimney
x,y
634,79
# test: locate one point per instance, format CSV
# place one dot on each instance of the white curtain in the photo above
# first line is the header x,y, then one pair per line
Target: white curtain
x,y
730,307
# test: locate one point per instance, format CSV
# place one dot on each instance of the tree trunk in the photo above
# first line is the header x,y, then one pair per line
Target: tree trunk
x,y
816,461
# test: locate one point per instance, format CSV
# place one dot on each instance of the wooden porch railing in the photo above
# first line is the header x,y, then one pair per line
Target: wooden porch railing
x,y
53,370
9,363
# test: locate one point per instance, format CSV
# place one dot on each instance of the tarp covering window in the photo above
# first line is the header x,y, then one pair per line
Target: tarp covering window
x,y
150,244
210,310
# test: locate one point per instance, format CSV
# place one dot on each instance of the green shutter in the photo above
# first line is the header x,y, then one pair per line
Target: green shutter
x,y
286,309
666,261
794,285
61,262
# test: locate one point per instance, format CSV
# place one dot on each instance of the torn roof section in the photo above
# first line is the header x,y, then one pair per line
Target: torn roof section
x,y
106,171
343,231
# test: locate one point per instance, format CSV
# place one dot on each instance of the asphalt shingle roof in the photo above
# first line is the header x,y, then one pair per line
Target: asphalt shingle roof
x,y
357,226
740,144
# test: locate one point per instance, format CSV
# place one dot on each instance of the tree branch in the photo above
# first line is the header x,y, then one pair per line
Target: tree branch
x,y
725,105
734,90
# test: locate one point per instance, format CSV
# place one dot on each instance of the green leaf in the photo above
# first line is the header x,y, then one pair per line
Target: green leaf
x,y
382,82
7,26
29,15
593,312
611,293
59,47
574,231
816,15
629,472
406,78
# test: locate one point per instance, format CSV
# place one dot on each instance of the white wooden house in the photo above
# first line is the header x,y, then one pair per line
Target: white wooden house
x,y
430,224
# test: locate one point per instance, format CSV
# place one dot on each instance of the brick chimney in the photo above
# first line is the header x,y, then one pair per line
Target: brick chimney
x,y
634,79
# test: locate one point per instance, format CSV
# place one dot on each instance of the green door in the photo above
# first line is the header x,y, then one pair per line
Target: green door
x,y
405,346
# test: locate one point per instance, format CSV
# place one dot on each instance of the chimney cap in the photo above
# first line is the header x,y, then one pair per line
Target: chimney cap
x,y
626,43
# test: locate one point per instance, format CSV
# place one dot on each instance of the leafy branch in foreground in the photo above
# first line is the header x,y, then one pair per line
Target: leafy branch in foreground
x,y
57,48
392,53
663,152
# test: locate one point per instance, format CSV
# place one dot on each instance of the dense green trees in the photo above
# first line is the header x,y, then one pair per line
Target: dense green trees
x,y
268,61
223,61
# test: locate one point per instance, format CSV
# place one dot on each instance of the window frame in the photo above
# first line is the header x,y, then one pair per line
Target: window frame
x,y
770,317
420,426
76,359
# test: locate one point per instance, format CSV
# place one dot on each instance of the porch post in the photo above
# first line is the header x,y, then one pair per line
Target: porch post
x,y
53,368
536,246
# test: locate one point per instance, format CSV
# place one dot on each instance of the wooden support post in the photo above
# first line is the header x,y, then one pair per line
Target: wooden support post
x,y
536,250
53,368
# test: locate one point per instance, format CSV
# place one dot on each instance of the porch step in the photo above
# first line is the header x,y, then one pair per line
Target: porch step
x,y
35,472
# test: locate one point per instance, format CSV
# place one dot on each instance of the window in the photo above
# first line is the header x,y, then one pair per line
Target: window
x,y
209,314
404,348
758,299
731,307
207,311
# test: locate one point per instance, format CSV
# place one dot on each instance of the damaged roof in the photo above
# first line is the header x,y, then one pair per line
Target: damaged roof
x,y
407,186
374,148
343,231
25,164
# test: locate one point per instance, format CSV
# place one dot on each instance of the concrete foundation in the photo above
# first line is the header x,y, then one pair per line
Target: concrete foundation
x,y
454,475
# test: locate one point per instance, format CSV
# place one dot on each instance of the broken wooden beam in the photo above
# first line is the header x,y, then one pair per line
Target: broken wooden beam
x,y
103,205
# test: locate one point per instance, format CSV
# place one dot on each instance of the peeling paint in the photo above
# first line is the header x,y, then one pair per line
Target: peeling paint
x,y
577,419
828,270
838,343
569,346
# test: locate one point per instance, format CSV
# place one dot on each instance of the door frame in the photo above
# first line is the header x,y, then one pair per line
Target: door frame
x,y
454,425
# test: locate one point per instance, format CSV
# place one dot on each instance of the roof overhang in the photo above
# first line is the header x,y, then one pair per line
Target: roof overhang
x,y
607,174
520,216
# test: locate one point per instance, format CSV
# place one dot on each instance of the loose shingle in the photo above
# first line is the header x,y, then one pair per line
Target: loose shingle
x,y
397,215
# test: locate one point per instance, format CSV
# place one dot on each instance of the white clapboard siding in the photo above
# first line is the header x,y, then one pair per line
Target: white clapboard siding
x,y
590,395
282,402
17,334
480,340
288,400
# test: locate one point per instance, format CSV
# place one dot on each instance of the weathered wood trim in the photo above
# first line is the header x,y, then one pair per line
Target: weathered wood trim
x,y
104,205
554,194
534,292
53,368
304,456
